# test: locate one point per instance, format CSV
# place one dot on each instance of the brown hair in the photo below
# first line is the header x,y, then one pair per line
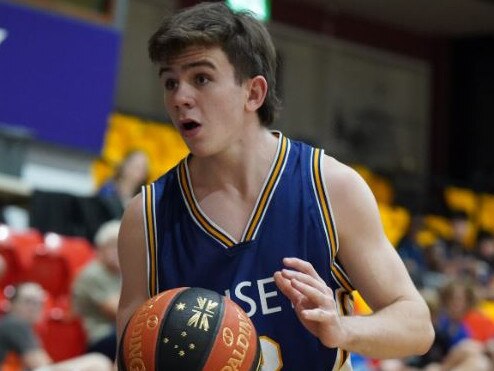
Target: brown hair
x,y
245,41
447,292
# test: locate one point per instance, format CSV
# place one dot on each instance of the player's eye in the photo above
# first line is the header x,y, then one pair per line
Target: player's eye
x,y
170,84
202,79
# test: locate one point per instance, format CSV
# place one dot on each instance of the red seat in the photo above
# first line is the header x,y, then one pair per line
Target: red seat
x,y
17,248
52,272
14,267
57,261
27,239
78,252
62,334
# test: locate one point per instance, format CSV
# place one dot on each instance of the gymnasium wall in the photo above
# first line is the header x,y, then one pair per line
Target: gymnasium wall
x,y
471,159
57,75
364,91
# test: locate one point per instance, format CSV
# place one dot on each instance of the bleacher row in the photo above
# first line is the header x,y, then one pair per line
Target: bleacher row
x,y
53,261
478,208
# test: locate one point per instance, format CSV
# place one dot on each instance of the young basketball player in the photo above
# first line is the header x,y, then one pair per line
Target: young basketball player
x,y
283,229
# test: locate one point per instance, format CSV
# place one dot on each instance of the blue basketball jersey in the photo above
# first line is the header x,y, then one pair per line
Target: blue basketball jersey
x,y
292,218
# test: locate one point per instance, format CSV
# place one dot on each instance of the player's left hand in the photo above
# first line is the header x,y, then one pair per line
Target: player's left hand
x,y
312,299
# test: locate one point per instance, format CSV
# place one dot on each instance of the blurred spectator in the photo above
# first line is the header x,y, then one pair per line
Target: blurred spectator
x,y
131,174
484,248
96,292
462,331
460,227
460,318
20,347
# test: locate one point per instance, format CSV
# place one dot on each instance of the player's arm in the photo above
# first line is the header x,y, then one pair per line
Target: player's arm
x,y
401,323
133,263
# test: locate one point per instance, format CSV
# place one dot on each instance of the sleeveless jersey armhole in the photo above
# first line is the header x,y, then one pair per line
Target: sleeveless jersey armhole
x,y
327,218
343,294
148,208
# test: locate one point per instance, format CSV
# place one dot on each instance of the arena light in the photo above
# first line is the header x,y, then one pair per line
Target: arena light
x,y
260,8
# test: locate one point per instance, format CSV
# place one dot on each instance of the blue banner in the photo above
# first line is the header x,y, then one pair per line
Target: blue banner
x,y
57,75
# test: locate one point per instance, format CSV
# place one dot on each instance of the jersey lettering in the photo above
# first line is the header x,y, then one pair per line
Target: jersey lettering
x,y
262,292
265,295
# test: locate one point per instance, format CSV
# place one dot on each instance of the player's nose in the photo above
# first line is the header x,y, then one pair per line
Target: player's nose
x,y
183,96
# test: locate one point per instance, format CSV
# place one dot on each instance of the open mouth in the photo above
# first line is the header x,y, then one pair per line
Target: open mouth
x,y
189,125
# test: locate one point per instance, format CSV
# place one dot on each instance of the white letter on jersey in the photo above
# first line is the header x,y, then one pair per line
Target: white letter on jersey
x,y
265,295
246,299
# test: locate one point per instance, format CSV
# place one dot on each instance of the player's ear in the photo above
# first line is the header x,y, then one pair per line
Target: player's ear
x,y
258,88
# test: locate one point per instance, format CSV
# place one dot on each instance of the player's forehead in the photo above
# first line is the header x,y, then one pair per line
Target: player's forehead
x,y
193,56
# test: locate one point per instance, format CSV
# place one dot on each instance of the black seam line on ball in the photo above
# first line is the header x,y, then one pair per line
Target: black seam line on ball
x,y
219,322
175,324
161,330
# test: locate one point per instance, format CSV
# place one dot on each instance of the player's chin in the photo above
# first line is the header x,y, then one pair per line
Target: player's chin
x,y
199,150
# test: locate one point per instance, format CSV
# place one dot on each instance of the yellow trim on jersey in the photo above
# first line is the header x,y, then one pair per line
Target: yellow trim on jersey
x,y
259,210
344,302
267,192
340,276
323,200
328,223
196,213
151,241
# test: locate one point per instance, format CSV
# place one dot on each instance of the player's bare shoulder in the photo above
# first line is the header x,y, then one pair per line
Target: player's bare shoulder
x,y
352,201
342,181
132,228
133,211
132,249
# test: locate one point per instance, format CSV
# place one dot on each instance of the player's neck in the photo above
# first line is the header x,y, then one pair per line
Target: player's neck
x,y
243,166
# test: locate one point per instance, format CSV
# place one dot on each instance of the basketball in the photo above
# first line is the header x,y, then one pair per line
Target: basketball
x,y
189,329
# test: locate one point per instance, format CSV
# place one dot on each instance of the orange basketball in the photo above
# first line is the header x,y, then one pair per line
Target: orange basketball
x,y
189,329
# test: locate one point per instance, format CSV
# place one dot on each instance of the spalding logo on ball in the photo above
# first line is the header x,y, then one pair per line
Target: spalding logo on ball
x,y
189,329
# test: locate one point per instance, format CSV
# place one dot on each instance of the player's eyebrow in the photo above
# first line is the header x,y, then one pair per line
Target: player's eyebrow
x,y
199,63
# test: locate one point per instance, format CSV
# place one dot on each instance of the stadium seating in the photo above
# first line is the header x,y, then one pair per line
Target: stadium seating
x,y
18,250
57,261
62,333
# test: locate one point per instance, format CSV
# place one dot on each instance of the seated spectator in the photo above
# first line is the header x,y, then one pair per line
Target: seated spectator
x,y
484,248
460,227
462,332
131,174
20,347
96,291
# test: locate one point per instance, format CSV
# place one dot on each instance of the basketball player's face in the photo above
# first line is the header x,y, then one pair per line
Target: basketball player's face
x,y
203,99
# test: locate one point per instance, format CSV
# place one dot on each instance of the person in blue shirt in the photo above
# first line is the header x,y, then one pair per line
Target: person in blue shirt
x,y
285,230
